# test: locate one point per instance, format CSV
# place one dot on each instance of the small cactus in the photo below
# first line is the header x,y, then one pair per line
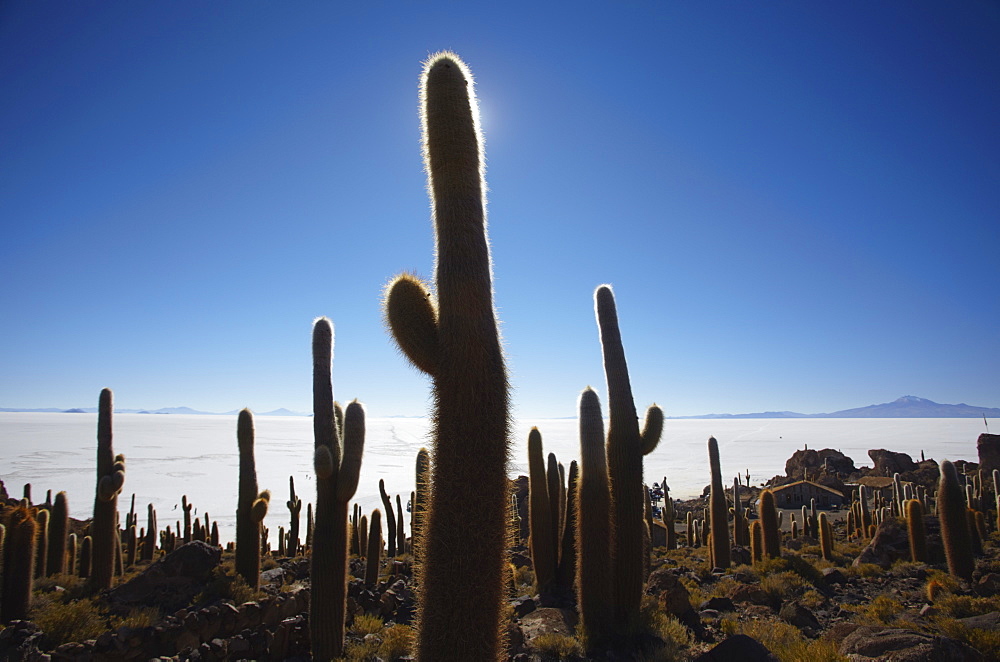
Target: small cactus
x,y
756,542
825,536
187,507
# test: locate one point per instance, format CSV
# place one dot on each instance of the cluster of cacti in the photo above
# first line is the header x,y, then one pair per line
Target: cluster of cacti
x,y
251,505
452,336
552,513
339,439
19,557
110,479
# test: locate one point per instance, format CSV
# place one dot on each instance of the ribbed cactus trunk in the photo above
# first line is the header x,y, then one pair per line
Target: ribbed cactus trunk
x,y
954,524
420,499
41,543
251,506
916,531
110,479
626,447
18,564
566,571
58,535
719,509
454,338
594,534
339,445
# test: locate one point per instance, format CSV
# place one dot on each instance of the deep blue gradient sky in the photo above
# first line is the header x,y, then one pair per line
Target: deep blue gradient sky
x,y
797,203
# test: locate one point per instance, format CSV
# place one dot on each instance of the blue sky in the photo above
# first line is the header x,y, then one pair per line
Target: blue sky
x,y
797,203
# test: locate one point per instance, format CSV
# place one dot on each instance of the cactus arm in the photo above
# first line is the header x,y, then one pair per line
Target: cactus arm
x,y
412,319
652,429
354,446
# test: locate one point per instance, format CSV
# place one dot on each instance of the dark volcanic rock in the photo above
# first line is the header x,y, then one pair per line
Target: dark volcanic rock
x,y
989,453
668,590
816,462
738,648
890,543
898,645
172,582
888,463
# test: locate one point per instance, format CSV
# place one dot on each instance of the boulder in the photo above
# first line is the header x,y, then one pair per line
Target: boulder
x,y
669,592
890,543
989,453
888,463
738,648
548,620
172,582
899,645
815,462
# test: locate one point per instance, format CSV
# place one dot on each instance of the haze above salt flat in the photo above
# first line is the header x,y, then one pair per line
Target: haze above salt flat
x,y
169,456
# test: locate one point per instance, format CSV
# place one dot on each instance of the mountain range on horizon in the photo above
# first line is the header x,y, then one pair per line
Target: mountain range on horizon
x,y
908,406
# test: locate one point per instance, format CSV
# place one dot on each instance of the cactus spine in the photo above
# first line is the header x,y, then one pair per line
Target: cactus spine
x,y
251,507
295,510
374,555
954,523
769,525
339,445
390,519
566,571
18,564
453,337
420,499
719,509
594,533
58,533
626,448
110,479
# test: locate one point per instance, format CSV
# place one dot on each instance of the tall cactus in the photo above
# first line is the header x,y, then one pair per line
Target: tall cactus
x,y
917,531
594,534
390,519
542,541
453,337
954,524
719,509
110,479
58,533
770,527
251,506
339,444
626,448
187,507
18,564
294,510
41,543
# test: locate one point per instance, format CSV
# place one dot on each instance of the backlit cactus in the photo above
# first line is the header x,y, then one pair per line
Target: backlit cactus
x,y
954,523
594,533
373,557
251,505
626,448
339,444
453,337
110,479
719,509
542,541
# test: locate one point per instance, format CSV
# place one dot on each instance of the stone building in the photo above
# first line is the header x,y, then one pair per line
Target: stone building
x,y
801,493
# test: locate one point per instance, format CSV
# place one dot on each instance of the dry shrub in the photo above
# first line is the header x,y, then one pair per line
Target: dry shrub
x,y
785,641
366,624
558,646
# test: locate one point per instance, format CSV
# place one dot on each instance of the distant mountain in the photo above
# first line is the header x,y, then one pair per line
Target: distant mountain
x,y
908,406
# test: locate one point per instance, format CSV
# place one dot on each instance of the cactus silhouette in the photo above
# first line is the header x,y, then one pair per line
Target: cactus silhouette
x,y
453,337
719,509
251,506
187,518
110,479
593,535
390,519
149,544
542,541
566,571
295,510
954,523
626,448
373,557
400,535
769,525
339,445
18,563
58,534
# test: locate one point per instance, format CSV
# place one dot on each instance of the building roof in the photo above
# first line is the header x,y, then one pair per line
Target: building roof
x,y
775,490
875,481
